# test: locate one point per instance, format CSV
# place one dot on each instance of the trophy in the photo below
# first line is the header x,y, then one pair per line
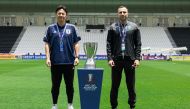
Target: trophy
x,y
90,49
90,79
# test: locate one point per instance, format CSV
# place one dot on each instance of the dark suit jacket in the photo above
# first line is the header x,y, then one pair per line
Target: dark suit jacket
x,y
132,41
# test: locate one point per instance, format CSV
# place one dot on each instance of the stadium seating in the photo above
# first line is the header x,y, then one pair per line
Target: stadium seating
x,y
181,37
32,41
93,36
8,36
153,37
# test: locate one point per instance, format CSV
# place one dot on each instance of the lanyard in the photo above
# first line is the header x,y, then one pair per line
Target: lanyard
x,y
61,36
122,32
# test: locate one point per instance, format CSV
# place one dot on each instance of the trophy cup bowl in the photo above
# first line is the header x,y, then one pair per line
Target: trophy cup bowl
x,y
90,49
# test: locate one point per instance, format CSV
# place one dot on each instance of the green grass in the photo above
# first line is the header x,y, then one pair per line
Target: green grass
x,y
26,84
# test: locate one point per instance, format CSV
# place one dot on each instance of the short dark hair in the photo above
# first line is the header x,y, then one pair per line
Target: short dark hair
x,y
122,7
61,7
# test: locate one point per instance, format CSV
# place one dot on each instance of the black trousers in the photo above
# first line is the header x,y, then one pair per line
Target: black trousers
x,y
67,71
120,64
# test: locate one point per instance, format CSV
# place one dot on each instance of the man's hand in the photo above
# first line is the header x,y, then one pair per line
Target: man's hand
x,y
48,62
136,63
111,63
76,62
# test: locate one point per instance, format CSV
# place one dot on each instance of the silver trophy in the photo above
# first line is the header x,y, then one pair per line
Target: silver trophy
x,y
90,49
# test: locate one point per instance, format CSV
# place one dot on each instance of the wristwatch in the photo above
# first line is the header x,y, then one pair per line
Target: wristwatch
x,y
77,57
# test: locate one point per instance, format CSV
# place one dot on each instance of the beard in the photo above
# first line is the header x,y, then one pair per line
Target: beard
x,y
123,18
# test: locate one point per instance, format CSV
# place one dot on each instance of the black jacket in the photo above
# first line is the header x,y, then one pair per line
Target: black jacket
x,y
132,41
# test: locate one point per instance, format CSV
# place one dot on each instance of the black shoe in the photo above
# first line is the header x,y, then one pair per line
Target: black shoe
x,y
132,107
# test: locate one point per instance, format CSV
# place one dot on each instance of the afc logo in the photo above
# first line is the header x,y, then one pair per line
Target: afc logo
x,y
91,78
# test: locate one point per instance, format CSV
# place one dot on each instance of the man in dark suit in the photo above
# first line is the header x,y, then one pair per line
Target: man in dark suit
x,y
123,51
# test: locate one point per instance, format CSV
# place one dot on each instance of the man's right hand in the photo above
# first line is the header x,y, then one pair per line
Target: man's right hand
x,y
111,63
48,62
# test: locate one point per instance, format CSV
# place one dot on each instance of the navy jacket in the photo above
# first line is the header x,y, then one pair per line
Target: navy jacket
x,y
70,37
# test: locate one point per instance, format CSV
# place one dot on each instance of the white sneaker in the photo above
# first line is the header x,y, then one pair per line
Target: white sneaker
x,y
54,107
70,106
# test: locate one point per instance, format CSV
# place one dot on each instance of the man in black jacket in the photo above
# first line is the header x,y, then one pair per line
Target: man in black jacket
x,y
123,51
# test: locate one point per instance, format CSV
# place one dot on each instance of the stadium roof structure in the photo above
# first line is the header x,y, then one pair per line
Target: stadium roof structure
x,y
99,6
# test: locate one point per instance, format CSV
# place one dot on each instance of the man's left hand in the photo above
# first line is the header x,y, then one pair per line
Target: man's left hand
x,y
136,63
76,62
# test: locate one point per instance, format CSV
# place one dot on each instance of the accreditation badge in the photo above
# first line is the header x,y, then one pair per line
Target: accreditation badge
x,y
61,44
122,47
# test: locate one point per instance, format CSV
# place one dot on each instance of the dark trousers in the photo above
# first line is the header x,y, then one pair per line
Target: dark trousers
x,y
67,71
121,64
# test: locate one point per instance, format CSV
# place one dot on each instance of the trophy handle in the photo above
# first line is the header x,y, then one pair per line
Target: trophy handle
x,y
84,48
95,49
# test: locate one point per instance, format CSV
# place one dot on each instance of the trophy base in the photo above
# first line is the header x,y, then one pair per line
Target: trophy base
x,y
90,83
90,64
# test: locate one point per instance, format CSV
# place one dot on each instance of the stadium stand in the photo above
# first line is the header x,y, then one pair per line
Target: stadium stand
x,y
155,37
8,36
32,41
181,36
93,36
